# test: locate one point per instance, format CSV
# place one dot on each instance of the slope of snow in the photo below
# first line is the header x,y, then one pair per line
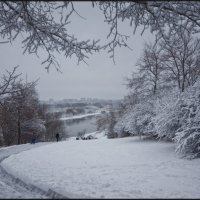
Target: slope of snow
x,y
110,168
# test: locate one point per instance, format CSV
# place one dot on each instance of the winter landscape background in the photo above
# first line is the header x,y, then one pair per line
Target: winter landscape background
x,y
118,81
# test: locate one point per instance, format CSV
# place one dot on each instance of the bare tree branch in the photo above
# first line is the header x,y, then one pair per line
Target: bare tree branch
x,y
44,24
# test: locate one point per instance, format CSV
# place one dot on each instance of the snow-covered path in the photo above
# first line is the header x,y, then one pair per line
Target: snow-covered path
x,y
108,168
11,187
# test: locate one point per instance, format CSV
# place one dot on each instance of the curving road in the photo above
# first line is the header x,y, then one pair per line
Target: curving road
x,y
12,187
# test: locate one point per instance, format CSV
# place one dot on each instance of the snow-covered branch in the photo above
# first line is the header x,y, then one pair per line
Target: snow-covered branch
x,y
7,82
158,16
42,30
43,25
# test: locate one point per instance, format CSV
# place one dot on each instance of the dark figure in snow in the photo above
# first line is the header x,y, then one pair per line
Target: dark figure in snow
x,y
33,139
57,136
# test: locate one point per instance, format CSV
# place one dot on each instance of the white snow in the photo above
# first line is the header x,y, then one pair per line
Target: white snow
x,y
10,187
108,168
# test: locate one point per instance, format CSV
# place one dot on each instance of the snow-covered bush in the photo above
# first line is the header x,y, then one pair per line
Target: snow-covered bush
x,y
125,123
137,121
178,118
166,120
173,115
188,142
188,136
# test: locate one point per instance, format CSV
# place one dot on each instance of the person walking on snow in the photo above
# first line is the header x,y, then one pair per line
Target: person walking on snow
x,y
57,136
33,140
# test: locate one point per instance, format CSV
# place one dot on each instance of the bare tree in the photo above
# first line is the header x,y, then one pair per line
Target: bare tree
x,y
19,114
24,103
112,121
138,87
8,80
102,121
151,66
181,52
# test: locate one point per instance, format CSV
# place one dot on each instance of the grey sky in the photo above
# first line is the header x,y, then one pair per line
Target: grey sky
x,y
100,79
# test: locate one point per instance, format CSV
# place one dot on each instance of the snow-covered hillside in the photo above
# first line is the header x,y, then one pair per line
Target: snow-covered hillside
x,y
108,168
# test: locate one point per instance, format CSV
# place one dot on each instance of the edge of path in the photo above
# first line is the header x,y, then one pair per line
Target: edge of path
x,y
49,193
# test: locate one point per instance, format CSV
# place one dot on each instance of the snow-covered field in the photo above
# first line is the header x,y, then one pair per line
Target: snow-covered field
x,y
108,168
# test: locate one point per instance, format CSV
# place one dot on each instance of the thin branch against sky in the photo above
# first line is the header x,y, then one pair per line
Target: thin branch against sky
x,y
101,78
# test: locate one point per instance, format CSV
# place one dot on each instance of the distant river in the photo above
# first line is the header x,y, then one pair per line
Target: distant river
x,y
80,124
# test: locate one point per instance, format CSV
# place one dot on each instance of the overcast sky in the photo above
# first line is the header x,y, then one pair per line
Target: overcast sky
x,y
99,79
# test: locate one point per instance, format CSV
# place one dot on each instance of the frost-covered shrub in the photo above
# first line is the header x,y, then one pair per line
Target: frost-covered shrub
x,y
188,136
166,121
125,123
124,134
136,121
173,115
188,142
178,118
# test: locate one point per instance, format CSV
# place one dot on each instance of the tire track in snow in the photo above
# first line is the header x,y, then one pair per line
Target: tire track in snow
x,y
12,187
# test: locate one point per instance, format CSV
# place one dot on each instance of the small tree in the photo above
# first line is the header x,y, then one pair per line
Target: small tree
x,y
111,123
102,121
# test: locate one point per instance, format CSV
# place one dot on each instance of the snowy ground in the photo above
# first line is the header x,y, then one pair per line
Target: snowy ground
x,y
12,187
108,168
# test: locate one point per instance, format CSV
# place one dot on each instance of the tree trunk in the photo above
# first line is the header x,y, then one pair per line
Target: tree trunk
x,y
155,88
183,83
1,137
183,86
19,132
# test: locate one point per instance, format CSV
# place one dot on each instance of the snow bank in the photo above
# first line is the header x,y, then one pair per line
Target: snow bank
x,y
111,168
